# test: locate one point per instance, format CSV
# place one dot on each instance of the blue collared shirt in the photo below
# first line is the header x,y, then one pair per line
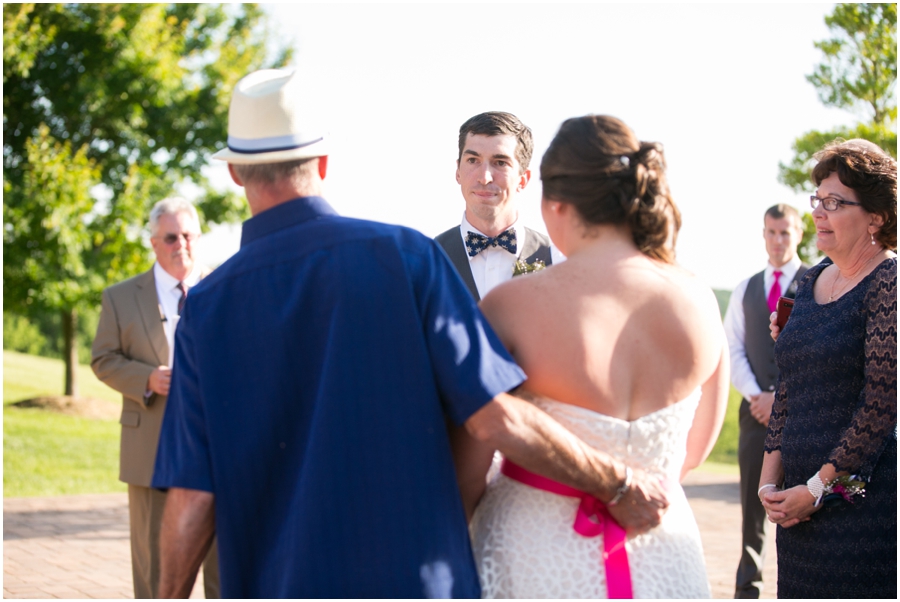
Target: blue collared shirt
x,y
314,371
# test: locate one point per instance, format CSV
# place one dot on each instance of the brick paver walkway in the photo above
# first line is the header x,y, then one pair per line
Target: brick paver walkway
x,y
77,546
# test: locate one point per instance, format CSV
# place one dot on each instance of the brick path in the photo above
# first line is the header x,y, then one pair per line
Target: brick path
x,y
77,546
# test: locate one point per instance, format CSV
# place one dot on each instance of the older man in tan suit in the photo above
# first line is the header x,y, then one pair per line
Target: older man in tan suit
x,y
132,353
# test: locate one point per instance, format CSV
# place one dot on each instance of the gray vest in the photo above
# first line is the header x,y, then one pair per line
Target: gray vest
x,y
534,246
758,342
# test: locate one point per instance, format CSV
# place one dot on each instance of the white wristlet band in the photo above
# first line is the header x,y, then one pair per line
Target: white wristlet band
x,y
623,489
764,486
816,488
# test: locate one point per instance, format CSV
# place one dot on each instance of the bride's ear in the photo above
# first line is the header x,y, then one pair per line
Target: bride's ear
x,y
553,206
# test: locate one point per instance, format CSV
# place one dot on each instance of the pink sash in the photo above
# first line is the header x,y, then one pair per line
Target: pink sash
x,y
615,556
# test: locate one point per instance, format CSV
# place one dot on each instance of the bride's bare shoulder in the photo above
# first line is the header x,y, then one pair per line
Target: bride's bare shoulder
x,y
521,294
692,292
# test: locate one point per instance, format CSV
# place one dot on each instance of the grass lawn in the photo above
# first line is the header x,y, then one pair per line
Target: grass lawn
x,y
45,453
26,376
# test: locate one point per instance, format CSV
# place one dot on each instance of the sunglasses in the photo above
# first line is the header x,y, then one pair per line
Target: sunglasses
x,y
171,239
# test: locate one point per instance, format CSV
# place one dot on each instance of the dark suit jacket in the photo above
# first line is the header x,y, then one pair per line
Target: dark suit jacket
x,y
534,246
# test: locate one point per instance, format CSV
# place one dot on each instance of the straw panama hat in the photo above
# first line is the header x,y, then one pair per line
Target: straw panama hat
x,y
266,123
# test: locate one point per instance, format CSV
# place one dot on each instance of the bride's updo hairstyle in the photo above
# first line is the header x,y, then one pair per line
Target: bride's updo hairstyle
x,y
596,164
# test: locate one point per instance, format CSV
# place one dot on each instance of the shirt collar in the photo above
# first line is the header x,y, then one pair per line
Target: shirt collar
x,y
788,269
467,227
167,281
282,216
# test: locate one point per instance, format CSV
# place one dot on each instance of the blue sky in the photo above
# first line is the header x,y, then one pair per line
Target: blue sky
x,y
722,86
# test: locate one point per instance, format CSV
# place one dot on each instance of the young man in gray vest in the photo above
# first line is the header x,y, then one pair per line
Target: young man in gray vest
x,y
753,373
492,169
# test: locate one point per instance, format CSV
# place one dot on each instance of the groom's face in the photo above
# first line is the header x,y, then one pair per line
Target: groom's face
x,y
489,174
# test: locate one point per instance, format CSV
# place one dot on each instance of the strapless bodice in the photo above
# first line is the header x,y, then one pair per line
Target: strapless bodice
x,y
656,443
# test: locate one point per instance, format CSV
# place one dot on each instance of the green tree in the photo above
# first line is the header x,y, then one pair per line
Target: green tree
x,y
858,72
106,109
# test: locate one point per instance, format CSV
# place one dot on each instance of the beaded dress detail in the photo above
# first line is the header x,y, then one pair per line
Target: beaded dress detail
x,y
523,540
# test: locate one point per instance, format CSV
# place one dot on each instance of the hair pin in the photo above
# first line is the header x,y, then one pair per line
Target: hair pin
x,y
624,160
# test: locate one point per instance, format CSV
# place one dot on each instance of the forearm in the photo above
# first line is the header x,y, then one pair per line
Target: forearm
x,y
533,440
472,459
772,472
187,532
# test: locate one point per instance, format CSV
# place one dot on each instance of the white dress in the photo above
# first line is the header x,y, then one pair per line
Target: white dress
x,y
523,540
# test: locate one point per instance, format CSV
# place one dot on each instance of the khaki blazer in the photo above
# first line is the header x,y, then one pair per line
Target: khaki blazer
x,y
129,345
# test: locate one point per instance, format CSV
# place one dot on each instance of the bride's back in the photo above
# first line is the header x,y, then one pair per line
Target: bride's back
x,y
624,337
618,328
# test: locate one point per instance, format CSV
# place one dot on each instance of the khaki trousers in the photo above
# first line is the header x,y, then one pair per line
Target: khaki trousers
x,y
145,511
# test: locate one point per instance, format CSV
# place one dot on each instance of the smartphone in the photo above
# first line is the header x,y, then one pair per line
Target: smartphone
x,y
783,311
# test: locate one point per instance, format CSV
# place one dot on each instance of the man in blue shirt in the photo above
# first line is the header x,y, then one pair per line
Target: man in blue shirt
x,y
314,372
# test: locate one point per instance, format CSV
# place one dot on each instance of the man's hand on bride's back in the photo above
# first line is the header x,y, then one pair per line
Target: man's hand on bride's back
x,y
642,506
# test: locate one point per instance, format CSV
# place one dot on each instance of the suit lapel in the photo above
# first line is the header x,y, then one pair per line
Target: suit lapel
x,y
529,243
452,243
152,316
533,247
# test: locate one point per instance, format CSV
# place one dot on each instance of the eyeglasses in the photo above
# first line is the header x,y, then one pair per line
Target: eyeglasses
x,y
171,239
830,204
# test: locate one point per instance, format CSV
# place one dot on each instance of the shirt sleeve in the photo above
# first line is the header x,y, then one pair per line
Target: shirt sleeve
x,y
182,458
875,419
735,324
469,362
777,419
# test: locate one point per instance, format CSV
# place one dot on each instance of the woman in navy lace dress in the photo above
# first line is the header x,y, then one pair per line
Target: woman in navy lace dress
x,y
835,411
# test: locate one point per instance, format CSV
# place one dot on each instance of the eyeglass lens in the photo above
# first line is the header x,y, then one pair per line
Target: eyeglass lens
x,y
828,203
170,239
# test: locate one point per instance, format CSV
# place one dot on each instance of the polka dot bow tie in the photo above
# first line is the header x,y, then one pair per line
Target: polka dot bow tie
x,y
476,243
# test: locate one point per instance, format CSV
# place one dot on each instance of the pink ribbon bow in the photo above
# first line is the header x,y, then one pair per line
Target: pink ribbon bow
x,y
615,556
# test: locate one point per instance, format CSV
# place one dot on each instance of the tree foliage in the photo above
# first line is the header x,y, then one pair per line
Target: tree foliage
x,y
858,72
807,250
106,109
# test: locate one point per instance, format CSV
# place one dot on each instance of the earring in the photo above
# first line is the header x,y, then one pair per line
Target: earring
x,y
873,237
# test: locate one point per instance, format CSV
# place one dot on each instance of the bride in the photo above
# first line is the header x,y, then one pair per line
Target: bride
x,y
632,347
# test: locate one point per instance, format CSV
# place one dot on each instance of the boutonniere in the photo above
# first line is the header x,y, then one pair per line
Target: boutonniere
x,y
791,290
523,267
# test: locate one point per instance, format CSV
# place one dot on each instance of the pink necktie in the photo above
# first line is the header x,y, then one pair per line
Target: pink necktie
x,y
775,291
183,290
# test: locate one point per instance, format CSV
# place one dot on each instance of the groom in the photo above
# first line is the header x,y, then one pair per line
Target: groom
x,y
492,169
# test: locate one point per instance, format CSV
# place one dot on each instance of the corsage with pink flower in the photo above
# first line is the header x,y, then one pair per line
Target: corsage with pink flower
x,y
844,489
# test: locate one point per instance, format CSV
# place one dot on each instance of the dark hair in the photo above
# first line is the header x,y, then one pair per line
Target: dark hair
x,y
871,173
780,211
497,123
598,165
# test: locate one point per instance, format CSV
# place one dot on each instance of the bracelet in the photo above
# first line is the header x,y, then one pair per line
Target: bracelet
x,y
816,488
764,486
623,489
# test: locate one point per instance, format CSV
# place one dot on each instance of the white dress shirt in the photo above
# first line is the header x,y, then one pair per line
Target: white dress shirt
x,y
168,295
736,326
494,265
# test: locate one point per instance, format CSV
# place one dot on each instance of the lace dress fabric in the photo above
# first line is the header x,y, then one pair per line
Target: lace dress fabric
x,y
523,540
836,401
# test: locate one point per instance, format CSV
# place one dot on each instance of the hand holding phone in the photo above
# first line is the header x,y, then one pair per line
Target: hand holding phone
x,y
783,311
